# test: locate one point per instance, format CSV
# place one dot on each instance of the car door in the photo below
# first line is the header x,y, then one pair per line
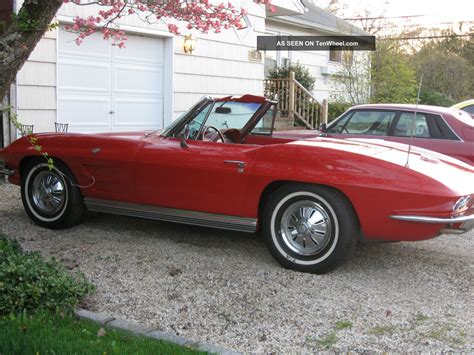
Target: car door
x,y
431,132
204,176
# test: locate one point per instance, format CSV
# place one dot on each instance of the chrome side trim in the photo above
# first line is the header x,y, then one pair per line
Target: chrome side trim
x,y
241,224
5,171
427,219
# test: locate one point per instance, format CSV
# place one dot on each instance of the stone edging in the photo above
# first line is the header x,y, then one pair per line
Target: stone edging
x,y
136,329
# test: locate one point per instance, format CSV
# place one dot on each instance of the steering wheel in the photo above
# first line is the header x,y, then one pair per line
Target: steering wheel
x,y
221,137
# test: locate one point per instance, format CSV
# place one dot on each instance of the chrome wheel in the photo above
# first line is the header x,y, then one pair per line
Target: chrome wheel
x,y
305,227
48,192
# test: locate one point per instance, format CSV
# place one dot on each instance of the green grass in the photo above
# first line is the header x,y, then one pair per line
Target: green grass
x,y
44,333
420,318
382,330
328,341
343,324
441,333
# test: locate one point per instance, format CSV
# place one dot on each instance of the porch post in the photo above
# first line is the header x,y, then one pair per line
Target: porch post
x,y
291,98
325,111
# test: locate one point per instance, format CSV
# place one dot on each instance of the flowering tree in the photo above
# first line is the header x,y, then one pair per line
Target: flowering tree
x,y
26,28
200,15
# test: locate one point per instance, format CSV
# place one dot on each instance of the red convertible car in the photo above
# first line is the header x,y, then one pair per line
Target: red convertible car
x,y
444,130
221,165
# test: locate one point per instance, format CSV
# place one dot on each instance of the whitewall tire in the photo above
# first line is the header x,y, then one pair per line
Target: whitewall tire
x,y
309,228
50,197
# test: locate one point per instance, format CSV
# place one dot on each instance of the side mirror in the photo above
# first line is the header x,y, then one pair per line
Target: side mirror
x,y
185,136
323,129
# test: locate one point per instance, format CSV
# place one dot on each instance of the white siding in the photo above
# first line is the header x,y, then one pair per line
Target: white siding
x,y
37,86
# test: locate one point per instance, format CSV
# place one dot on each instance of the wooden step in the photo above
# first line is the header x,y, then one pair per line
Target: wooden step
x,y
284,123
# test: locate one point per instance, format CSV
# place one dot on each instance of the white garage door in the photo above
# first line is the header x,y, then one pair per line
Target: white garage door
x,y
105,88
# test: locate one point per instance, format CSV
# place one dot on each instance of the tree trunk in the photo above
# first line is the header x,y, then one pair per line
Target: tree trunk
x,y
21,37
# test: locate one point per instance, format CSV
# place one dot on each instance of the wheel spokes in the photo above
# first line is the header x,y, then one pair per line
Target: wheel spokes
x,y
48,192
305,227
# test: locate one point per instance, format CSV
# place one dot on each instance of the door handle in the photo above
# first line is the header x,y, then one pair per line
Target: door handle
x,y
240,164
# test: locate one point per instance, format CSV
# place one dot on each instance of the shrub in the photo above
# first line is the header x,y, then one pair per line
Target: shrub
x,y
302,75
429,96
28,282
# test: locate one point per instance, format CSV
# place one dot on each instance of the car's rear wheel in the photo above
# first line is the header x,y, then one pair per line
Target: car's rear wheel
x,y
50,197
309,228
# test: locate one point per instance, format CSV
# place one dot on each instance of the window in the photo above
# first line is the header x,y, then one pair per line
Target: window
x,y
341,56
265,125
335,55
231,114
469,109
277,59
196,124
367,122
405,125
223,115
338,126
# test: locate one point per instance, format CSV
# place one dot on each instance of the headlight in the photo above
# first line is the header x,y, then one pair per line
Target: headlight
x,y
462,203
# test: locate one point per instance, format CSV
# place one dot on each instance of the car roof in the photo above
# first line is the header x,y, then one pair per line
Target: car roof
x,y
424,108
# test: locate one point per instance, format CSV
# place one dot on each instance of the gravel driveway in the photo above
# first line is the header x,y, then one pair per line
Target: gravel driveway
x,y
224,287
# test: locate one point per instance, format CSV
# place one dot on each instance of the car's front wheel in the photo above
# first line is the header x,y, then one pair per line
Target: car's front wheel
x,y
50,197
309,228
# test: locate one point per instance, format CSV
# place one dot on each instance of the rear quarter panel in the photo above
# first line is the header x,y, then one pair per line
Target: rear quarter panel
x,y
376,187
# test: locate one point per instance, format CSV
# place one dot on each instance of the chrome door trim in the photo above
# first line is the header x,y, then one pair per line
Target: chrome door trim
x,y
203,219
240,164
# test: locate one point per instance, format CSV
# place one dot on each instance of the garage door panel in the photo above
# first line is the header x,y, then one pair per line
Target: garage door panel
x,y
137,113
134,80
84,76
140,49
85,112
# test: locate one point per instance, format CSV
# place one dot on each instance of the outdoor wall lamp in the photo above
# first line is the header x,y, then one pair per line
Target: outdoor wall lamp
x,y
189,44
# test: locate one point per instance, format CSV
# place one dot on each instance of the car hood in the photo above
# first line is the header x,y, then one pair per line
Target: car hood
x,y
448,171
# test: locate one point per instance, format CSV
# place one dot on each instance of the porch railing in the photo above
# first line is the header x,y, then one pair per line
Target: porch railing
x,y
295,102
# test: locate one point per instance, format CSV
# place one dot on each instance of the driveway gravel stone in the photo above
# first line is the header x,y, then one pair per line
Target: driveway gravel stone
x,y
224,288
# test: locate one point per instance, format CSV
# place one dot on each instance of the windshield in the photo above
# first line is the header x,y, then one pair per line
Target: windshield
x,y
222,115
182,116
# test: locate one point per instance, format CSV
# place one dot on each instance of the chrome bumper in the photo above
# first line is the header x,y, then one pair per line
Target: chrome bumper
x,y
5,171
467,222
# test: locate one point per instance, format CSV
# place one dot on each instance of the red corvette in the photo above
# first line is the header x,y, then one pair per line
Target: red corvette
x,y
221,165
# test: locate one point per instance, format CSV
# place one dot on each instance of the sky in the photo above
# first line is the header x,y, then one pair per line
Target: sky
x,y
435,12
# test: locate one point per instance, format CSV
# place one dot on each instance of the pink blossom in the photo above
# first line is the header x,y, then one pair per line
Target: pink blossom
x,y
199,15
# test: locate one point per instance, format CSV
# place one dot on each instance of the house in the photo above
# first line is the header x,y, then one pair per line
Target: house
x,y
98,87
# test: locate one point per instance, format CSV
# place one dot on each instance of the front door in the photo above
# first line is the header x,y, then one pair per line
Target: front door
x,y
206,176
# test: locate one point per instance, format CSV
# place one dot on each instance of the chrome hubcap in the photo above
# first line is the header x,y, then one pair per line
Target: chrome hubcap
x,y
306,227
48,192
